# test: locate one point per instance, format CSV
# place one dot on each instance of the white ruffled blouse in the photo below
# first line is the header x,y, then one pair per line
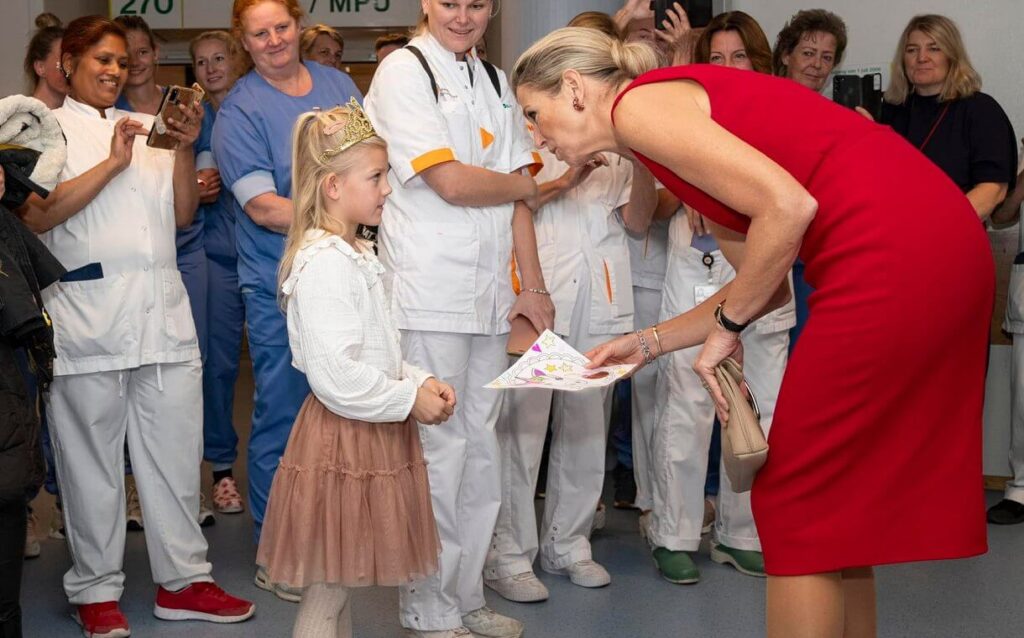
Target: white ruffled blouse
x,y
341,332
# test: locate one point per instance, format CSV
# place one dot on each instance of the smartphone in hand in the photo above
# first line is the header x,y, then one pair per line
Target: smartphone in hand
x,y
699,12
864,91
173,96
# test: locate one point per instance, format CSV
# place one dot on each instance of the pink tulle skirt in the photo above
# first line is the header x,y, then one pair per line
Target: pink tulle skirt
x,y
350,505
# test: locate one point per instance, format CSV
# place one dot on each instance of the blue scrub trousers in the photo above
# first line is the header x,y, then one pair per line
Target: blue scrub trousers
x,y
280,391
225,318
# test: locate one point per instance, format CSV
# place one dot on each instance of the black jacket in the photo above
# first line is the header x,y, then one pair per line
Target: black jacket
x,y
26,267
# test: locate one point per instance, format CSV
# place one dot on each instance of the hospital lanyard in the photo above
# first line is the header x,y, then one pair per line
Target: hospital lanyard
x,y
935,126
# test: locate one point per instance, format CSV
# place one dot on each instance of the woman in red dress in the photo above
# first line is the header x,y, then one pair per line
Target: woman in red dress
x,y
876,443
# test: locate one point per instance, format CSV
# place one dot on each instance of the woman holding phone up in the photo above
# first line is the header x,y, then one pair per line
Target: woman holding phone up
x,y
127,361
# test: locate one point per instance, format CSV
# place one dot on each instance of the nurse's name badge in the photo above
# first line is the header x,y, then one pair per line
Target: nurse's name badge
x,y
703,292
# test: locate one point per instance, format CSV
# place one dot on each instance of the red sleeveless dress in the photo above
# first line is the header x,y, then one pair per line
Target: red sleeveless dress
x,y
875,449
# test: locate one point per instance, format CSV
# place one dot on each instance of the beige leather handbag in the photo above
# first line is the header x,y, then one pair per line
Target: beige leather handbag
x,y
744,448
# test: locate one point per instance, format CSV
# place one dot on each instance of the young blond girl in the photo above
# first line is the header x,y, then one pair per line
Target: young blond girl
x,y
350,503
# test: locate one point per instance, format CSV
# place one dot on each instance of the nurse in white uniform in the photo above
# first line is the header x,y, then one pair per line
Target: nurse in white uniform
x,y
685,414
458,146
648,258
127,359
585,260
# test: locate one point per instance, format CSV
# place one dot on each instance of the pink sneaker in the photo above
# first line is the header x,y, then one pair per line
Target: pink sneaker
x,y
102,620
226,498
202,601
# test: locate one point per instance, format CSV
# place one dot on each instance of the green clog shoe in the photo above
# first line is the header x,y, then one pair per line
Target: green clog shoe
x,y
676,567
745,561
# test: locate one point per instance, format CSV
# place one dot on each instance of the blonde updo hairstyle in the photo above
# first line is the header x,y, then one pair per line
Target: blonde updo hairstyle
x,y
312,164
589,51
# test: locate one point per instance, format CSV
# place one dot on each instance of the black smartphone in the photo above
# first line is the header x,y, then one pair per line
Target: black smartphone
x,y
864,91
699,12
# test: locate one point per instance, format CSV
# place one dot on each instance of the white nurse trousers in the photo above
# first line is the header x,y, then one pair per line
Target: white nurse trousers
x,y
159,408
1015,486
463,467
646,311
684,416
579,434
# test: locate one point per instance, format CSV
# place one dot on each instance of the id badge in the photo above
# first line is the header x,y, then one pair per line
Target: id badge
x,y
703,292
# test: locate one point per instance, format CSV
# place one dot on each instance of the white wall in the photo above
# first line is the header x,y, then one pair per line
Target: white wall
x,y
16,27
991,32
523,22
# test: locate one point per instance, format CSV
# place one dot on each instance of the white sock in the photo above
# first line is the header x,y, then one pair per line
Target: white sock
x,y
323,613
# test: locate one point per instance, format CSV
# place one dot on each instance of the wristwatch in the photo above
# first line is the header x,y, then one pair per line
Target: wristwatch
x,y
727,323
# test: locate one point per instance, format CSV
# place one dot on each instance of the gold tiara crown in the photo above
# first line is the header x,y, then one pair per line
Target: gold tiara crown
x,y
355,128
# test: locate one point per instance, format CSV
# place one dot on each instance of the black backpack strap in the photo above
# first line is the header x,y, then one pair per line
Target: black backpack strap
x,y
493,74
426,67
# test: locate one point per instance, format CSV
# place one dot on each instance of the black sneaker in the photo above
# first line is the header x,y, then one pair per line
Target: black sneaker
x,y
625,488
1006,512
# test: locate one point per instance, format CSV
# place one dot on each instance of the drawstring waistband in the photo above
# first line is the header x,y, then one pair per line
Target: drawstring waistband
x,y
159,379
120,384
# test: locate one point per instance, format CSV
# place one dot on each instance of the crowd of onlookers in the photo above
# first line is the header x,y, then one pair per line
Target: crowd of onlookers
x,y
166,257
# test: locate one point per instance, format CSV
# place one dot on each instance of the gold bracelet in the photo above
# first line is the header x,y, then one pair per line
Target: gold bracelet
x,y
657,339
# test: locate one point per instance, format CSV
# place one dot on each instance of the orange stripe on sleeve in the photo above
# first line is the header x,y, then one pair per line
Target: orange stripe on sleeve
x,y
432,158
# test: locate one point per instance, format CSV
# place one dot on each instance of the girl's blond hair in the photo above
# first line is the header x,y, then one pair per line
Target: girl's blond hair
x,y
588,51
961,81
313,160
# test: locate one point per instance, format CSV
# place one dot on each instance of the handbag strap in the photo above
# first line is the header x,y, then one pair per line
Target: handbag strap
x,y
730,373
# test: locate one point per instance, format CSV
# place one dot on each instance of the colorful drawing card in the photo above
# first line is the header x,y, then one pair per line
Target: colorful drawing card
x,y
553,364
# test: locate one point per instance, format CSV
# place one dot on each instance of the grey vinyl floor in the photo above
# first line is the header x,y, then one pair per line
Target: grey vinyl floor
x,y
976,598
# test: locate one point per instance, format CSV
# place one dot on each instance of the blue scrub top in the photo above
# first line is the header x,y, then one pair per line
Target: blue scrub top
x,y
191,237
252,141
218,217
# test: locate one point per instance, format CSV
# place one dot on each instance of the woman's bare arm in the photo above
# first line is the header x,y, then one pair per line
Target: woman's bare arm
x,y
703,153
985,197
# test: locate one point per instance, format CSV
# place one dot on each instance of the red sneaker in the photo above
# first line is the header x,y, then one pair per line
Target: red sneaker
x,y
201,601
102,620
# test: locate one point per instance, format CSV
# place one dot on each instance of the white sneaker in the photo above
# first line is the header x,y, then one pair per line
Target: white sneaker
x,y
458,632
487,623
290,594
32,548
585,573
205,517
599,518
521,588
134,508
